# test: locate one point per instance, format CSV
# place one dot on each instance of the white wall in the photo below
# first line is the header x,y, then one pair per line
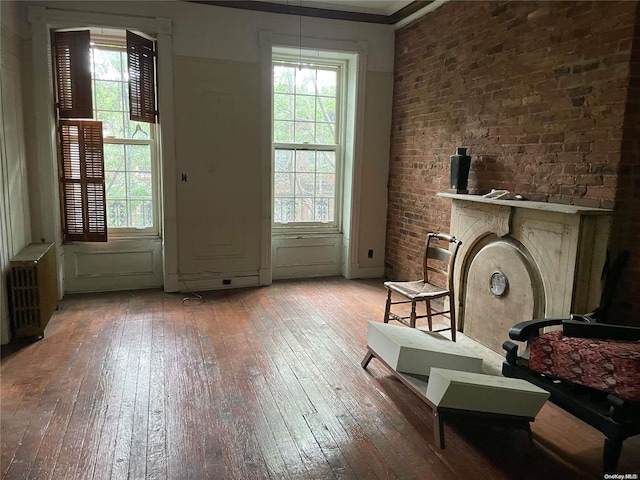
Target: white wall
x,y
219,217
373,211
219,203
15,230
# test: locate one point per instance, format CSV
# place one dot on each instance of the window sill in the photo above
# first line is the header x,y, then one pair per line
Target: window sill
x,y
117,238
277,234
124,238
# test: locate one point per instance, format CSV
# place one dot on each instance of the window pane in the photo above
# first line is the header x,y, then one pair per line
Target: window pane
x,y
283,131
305,132
140,213
112,124
326,162
108,95
283,79
324,209
116,213
306,81
284,184
107,65
326,109
116,187
327,82
139,158
305,185
136,130
325,185
305,161
284,210
325,134
304,210
283,106
113,156
284,161
305,108
139,185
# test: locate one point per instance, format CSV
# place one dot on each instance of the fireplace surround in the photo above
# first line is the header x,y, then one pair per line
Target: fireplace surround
x,y
521,260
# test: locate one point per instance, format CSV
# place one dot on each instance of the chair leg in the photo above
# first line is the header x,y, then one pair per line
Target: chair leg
x,y
452,318
387,308
429,321
412,320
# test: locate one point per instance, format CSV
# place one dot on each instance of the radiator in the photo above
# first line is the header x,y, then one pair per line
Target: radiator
x,y
33,289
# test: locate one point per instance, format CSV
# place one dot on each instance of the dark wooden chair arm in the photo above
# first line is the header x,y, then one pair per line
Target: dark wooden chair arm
x,y
524,331
512,352
577,328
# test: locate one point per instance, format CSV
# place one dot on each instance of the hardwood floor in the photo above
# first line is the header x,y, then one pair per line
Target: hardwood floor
x,y
253,383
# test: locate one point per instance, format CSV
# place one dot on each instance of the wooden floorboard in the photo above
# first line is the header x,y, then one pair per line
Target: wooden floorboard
x,y
256,383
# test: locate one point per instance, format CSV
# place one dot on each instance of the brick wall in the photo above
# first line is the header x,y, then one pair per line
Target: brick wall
x,y
537,92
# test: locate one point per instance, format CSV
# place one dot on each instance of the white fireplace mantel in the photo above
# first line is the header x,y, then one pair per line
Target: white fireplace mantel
x,y
552,254
544,206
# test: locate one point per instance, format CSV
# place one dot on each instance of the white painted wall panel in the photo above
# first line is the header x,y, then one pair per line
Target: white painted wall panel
x,y
15,231
118,265
218,109
375,173
296,257
113,263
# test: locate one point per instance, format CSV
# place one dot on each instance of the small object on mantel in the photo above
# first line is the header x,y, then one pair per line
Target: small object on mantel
x,y
496,194
502,195
459,171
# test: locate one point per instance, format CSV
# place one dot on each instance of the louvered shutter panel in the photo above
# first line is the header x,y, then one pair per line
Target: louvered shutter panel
x,y
82,181
73,74
142,78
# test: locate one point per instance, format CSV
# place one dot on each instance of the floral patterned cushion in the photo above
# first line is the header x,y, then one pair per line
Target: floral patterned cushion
x,y
609,365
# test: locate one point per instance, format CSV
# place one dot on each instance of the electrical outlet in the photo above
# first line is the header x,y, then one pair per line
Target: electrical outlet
x,y
370,254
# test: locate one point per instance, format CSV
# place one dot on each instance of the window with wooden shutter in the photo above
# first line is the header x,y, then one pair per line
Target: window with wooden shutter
x,y
142,78
82,181
73,74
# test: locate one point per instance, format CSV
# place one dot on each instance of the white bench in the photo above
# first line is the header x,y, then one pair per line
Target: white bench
x,y
449,379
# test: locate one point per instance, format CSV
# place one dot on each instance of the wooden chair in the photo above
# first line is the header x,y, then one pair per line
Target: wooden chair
x,y
439,261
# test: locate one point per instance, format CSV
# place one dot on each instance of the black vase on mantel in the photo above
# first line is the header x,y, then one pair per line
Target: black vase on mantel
x,y
460,164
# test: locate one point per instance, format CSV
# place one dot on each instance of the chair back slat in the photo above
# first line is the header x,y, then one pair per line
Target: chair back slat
x,y
437,259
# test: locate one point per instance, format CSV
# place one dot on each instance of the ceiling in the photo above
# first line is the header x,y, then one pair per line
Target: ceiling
x,y
388,12
378,7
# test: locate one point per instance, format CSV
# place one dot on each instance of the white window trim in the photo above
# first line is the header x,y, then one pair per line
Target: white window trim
x,y
358,50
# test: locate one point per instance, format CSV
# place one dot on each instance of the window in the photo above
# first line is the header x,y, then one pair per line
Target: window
x,y
306,142
129,152
117,80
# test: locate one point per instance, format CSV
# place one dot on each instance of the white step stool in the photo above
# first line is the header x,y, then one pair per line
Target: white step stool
x,y
409,350
449,380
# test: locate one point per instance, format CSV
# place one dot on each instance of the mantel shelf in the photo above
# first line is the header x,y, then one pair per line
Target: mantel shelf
x,y
545,206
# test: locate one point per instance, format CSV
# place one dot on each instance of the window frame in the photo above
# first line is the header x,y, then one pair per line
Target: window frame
x,y
320,62
114,42
153,230
118,44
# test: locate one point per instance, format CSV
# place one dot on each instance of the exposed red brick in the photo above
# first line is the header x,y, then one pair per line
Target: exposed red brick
x,y
543,95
